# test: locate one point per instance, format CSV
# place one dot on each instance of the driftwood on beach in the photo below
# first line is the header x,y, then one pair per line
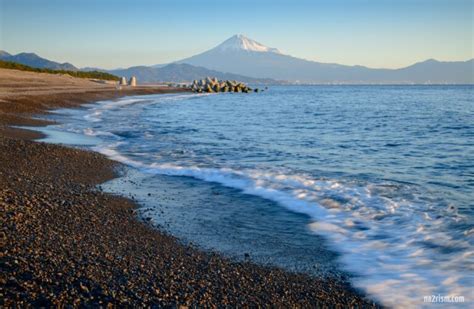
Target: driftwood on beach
x,y
214,85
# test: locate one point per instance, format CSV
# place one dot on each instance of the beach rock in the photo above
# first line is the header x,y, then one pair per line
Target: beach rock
x,y
209,88
211,85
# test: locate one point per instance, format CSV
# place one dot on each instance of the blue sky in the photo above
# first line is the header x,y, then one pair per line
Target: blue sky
x,y
109,34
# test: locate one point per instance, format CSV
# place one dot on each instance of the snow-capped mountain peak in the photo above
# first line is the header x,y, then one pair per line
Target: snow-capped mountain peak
x,y
241,42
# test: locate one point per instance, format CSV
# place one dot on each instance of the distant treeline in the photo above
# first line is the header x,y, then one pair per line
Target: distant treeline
x,y
80,74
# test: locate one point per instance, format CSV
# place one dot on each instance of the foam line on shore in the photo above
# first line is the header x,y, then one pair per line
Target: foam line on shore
x,y
381,265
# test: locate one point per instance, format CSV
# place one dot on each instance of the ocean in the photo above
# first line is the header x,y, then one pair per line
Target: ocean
x,y
370,184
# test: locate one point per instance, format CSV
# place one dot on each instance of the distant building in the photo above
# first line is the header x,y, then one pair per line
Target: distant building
x,y
123,81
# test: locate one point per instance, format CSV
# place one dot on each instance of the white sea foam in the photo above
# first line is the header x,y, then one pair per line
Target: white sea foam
x,y
97,109
98,133
381,240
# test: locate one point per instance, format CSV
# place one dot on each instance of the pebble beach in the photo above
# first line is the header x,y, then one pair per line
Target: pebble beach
x,y
65,242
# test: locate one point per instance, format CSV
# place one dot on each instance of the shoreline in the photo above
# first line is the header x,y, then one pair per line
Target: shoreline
x,y
67,242
25,94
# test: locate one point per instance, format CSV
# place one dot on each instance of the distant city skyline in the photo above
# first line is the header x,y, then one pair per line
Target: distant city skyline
x,y
111,34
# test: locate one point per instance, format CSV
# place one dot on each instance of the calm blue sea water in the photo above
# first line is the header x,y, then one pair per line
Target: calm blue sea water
x,y
376,181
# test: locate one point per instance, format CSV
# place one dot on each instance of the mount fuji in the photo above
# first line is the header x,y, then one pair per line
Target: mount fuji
x,y
240,42
242,55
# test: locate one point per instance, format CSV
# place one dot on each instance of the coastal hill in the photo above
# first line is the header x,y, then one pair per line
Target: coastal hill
x,y
35,61
241,55
99,75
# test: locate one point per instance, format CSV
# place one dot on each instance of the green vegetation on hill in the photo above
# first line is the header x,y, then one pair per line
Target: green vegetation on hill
x,y
80,74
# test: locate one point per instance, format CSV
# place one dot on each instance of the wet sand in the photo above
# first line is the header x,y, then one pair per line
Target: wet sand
x,y
64,242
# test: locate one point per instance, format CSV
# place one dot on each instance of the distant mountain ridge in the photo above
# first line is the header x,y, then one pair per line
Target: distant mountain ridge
x,y
243,59
164,73
176,72
241,55
35,61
